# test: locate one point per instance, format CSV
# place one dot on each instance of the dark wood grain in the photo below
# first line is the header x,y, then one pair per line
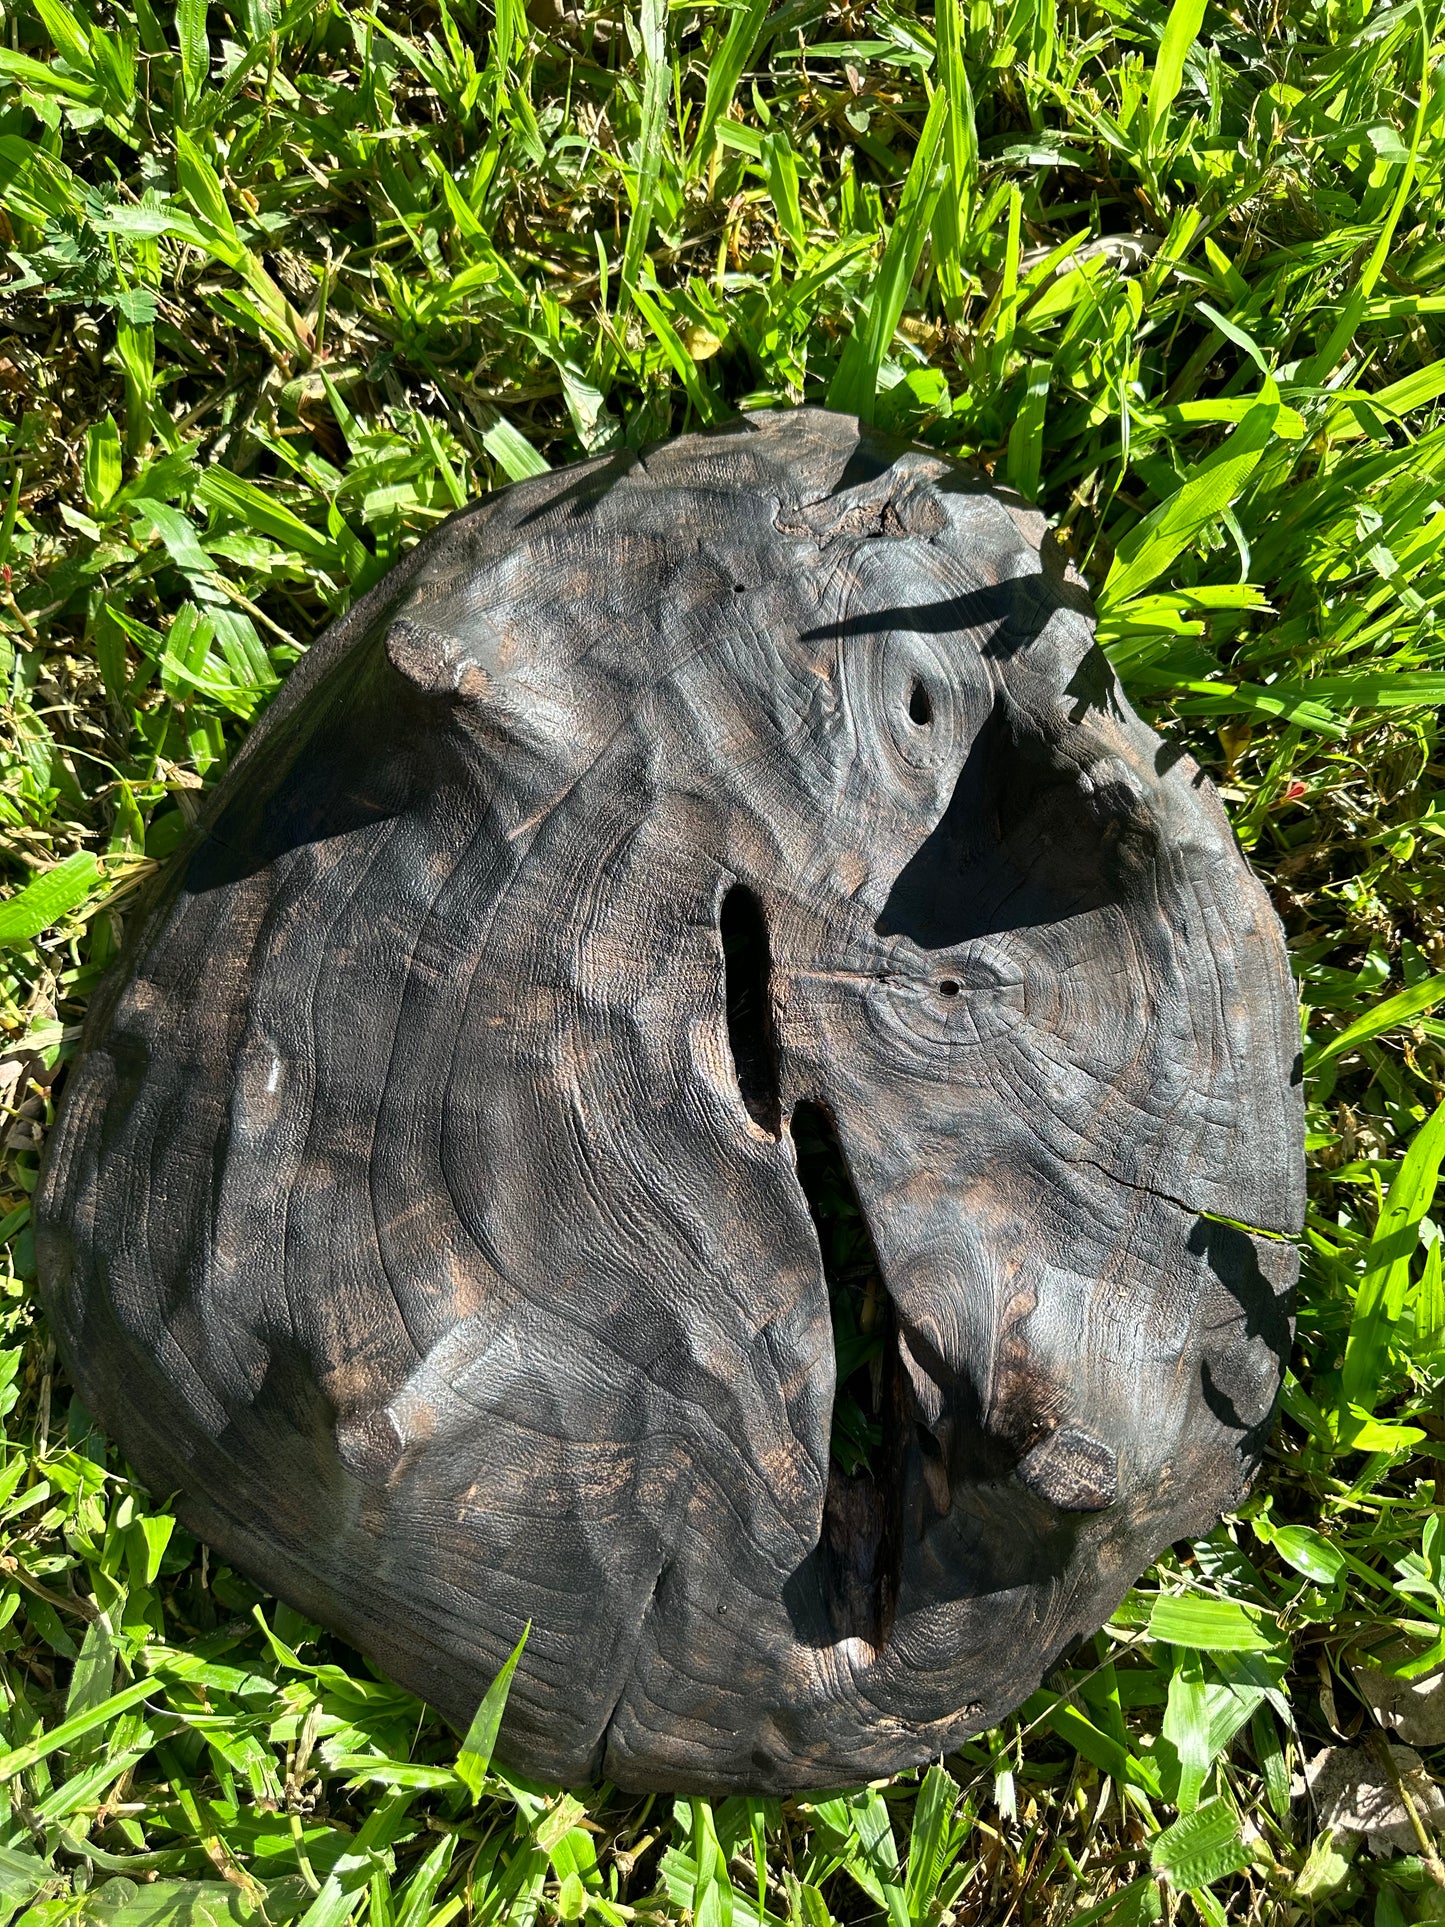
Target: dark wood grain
x,y
423,1209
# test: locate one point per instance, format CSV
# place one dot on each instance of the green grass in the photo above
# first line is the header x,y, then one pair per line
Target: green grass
x,y
286,284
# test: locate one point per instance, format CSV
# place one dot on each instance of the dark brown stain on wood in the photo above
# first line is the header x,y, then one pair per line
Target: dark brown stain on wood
x,y
426,1207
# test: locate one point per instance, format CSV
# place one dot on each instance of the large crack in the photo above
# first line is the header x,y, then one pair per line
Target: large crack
x,y
1181,1204
860,1546
598,1758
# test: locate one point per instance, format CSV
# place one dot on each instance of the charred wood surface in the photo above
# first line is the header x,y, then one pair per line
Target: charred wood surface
x,y
426,1209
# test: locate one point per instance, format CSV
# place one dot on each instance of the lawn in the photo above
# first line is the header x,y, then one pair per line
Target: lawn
x,y
284,286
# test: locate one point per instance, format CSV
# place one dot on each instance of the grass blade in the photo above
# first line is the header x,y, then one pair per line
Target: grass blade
x,y
1181,30
1025,460
1148,550
94,1672
1381,1296
955,202
928,1842
194,45
49,898
1357,305
1209,1625
475,1755
725,70
647,154
1199,1849
855,384
1385,1016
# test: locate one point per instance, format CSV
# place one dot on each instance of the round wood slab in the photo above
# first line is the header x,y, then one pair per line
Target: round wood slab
x,y
426,1208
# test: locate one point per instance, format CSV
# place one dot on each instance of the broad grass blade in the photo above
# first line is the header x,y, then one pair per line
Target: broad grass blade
x,y
1386,1015
1181,30
49,898
1201,1848
1381,1296
855,384
724,72
475,1755
1148,549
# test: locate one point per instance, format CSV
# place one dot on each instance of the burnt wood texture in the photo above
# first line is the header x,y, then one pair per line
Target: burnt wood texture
x,y
426,1208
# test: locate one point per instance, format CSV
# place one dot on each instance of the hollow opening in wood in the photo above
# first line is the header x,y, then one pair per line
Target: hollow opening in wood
x,y
860,1307
860,1520
747,966
920,704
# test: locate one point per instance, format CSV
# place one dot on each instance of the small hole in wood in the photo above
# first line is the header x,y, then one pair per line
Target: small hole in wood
x,y
950,987
747,966
920,704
